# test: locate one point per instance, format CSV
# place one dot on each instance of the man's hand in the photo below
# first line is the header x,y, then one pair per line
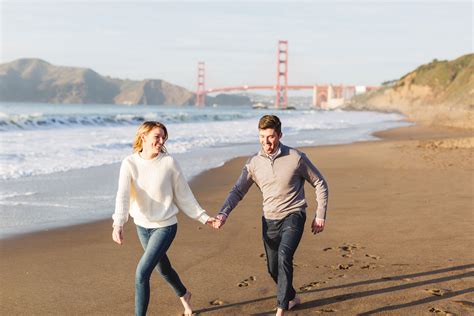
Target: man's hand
x,y
117,234
220,221
317,225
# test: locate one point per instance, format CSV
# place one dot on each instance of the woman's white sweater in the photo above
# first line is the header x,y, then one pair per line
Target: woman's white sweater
x,y
152,191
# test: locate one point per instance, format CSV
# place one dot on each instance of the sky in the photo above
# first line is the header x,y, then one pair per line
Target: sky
x,y
348,42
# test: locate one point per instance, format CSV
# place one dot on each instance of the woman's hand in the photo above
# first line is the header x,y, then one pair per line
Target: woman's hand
x,y
211,221
117,234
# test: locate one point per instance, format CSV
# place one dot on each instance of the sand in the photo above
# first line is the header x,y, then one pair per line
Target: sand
x,y
398,241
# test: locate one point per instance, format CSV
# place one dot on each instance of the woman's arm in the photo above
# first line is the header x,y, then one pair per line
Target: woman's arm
x,y
184,198
122,200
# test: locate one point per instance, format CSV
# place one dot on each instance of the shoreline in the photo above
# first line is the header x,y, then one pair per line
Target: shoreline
x,y
47,192
391,134
399,223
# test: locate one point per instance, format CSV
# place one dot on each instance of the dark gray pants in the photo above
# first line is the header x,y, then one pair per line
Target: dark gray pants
x,y
281,238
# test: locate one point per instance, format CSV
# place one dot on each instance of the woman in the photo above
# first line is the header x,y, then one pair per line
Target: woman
x,y
152,188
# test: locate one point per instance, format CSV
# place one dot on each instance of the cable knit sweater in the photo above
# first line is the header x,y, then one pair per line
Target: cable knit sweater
x,y
152,191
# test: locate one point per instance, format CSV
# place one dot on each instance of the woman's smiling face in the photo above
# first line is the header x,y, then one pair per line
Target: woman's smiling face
x,y
153,141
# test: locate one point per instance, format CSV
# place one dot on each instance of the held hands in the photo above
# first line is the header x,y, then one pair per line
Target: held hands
x,y
219,221
216,222
211,221
117,234
317,225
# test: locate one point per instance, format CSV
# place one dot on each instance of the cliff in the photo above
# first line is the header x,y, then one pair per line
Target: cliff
x,y
437,93
152,91
35,80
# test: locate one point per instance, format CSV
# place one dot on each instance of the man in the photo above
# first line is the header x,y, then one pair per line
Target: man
x,y
280,173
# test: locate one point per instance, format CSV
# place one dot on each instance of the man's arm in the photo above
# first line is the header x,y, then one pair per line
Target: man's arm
x,y
311,174
237,193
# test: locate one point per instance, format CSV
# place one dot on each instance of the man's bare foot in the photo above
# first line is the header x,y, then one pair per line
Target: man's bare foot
x,y
291,304
186,301
294,302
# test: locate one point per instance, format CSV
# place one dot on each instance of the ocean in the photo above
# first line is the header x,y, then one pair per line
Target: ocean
x,y
59,163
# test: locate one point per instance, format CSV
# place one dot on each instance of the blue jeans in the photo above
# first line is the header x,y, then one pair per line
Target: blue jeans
x,y
155,242
281,238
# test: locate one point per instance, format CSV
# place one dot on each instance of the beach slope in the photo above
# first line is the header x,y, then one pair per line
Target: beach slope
x,y
398,241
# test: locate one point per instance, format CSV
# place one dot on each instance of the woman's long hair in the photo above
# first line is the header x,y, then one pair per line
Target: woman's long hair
x,y
144,129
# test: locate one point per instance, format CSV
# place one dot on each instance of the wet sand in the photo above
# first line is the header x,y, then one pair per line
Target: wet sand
x,y
398,241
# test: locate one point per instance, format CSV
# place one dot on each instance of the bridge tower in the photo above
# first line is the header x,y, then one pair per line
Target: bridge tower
x,y
282,75
201,86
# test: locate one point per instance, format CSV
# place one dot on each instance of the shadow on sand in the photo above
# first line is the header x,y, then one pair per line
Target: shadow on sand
x,y
356,295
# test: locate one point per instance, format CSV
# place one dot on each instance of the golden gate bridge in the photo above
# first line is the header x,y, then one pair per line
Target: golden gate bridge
x,y
324,95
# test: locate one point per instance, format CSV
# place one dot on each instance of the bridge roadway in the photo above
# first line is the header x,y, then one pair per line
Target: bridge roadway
x,y
290,87
322,94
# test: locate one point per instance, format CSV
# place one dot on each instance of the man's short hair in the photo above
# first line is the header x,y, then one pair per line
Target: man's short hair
x,y
270,121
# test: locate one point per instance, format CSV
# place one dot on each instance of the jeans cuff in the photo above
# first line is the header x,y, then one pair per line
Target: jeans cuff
x,y
181,294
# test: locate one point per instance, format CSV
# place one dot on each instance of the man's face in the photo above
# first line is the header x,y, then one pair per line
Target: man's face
x,y
269,139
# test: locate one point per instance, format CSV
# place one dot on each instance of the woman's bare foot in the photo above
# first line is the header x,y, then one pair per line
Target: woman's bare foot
x,y
186,301
294,302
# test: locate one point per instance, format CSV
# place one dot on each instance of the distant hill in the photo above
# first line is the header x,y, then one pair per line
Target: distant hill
x,y
437,93
152,91
35,80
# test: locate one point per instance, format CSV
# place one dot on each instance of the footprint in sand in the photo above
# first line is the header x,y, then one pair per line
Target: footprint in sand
x,y
440,311
350,247
326,310
342,266
310,286
246,282
400,264
437,292
373,256
347,249
217,302
370,266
